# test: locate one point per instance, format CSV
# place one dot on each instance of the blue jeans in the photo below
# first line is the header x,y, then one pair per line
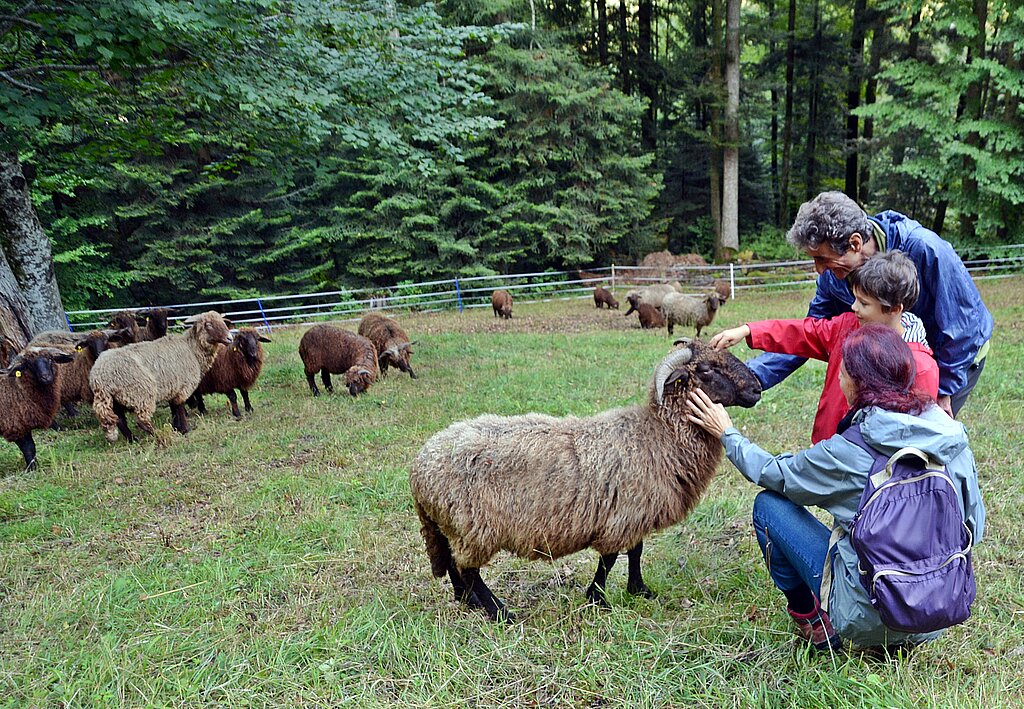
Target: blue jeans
x,y
793,541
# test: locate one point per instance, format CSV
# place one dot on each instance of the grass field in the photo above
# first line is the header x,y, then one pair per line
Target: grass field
x,y
277,560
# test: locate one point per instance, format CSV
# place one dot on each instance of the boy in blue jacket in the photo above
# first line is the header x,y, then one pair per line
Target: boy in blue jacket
x,y
834,231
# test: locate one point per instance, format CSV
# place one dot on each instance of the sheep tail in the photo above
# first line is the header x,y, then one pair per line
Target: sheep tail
x,y
438,550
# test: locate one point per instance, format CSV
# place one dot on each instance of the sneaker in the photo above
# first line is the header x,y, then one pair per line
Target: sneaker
x,y
816,628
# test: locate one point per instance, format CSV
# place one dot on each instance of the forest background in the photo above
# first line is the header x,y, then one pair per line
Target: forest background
x,y
171,151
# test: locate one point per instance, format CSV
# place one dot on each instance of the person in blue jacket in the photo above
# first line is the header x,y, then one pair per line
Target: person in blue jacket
x,y
876,376
834,231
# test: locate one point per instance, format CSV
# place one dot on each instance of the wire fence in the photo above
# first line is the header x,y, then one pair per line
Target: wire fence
x,y
743,279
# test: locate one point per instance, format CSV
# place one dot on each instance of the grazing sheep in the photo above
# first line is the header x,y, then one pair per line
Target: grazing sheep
x,y
393,345
680,309
236,366
331,350
650,316
501,302
542,487
652,295
153,322
136,377
723,289
30,397
74,379
604,297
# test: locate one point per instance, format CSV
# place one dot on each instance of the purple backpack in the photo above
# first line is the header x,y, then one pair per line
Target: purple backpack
x,y
913,548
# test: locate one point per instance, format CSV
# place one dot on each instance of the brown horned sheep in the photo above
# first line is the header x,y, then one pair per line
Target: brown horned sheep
x,y
604,297
236,366
137,377
501,303
680,309
30,397
332,350
542,487
393,345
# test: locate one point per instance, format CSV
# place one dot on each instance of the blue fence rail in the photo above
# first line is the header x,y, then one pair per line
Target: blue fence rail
x,y
461,293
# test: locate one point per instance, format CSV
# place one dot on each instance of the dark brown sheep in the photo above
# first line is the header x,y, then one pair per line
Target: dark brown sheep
x,y
332,350
650,317
604,297
236,367
74,379
126,320
30,397
501,302
393,346
153,322
723,289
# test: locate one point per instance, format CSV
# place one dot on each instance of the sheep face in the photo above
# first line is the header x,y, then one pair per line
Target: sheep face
x,y
38,366
692,365
155,319
211,330
398,356
248,343
358,380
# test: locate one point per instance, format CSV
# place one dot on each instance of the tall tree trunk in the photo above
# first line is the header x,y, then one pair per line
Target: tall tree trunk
x,y
878,40
715,142
624,53
973,111
27,254
787,128
15,327
855,70
774,93
811,173
646,73
602,32
731,151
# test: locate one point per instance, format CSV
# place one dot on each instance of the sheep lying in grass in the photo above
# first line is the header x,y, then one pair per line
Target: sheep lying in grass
x,y
236,366
680,309
542,487
137,377
392,344
501,303
331,350
30,397
604,297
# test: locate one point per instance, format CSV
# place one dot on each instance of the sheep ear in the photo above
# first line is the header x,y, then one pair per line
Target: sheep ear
x,y
228,323
62,358
263,338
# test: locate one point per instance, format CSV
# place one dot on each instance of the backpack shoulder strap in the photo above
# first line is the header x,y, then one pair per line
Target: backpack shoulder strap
x,y
883,475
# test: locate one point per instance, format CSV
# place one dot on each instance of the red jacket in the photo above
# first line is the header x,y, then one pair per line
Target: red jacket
x,y
818,338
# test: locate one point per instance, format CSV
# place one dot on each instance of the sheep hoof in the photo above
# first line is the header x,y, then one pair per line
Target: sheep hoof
x,y
642,591
504,615
596,597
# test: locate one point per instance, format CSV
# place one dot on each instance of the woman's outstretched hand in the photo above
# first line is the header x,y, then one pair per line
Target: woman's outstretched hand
x,y
730,337
710,416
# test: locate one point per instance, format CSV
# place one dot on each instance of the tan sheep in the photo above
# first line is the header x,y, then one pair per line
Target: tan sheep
x,y
332,350
680,309
137,377
542,487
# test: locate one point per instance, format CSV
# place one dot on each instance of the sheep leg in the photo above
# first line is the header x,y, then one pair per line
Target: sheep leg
x,y
245,400
196,401
635,583
312,384
462,593
326,377
179,419
70,409
234,404
28,451
122,422
475,586
595,592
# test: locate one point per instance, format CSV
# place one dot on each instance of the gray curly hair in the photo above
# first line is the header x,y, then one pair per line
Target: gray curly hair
x,y
830,218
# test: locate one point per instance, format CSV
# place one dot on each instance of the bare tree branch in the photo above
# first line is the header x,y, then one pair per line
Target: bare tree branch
x,y
38,68
14,19
18,84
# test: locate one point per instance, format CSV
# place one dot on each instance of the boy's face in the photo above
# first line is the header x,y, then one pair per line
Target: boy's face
x,y
870,310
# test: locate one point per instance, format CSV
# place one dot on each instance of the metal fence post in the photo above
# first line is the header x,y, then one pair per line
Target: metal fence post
x,y
264,314
613,275
458,294
732,281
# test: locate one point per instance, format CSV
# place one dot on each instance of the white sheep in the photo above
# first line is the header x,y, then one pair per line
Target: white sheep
x,y
652,295
542,487
137,377
680,309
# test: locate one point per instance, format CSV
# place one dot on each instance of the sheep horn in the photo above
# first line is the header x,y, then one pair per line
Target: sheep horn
x,y
393,351
675,359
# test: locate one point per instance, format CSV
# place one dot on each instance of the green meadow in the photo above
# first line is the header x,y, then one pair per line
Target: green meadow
x,y
277,560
